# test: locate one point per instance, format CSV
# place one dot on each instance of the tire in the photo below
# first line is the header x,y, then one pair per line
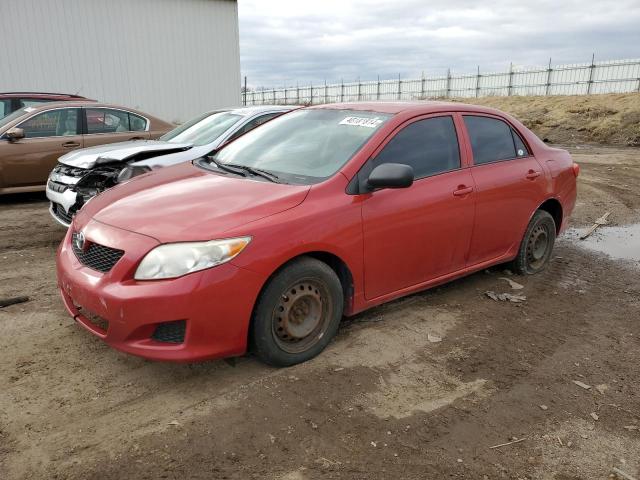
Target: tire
x,y
537,244
297,313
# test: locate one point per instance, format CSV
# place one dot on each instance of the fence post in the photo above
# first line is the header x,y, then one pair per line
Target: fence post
x,y
478,82
359,90
311,93
549,70
341,90
262,95
378,89
285,95
510,87
591,69
297,93
399,87
448,82
422,92
244,94
326,92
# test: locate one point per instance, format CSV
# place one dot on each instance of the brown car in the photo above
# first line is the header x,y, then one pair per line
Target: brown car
x,y
32,138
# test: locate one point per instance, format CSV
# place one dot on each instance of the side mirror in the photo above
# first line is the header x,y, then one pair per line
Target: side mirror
x,y
390,175
14,134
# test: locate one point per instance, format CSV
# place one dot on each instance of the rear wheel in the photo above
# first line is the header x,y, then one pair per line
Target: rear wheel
x,y
297,314
537,244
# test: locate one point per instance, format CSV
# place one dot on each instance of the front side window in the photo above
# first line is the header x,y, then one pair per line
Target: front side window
x,y
256,122
53,123
105,120
491,139
429,146
305,146
5,107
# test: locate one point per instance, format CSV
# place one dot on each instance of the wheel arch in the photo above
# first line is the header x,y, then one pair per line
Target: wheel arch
x,y
554,208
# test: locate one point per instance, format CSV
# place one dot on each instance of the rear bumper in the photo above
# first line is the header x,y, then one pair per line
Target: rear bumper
x,y
215,304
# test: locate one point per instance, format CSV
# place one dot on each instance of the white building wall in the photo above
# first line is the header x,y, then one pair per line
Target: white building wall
x,y
171,58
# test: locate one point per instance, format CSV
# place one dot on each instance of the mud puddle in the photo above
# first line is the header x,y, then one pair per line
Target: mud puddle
x,y
619,242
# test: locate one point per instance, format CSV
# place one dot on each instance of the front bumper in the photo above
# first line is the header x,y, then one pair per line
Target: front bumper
x,y
215,304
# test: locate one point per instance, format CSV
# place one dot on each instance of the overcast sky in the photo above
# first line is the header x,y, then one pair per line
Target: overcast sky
x,y
283,42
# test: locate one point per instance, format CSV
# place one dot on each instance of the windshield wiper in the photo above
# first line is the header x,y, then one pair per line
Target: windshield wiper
x,y
225,167
272,177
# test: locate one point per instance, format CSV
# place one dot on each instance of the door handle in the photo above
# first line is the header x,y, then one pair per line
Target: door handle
x,y
136,138
532,174
70,144
462,191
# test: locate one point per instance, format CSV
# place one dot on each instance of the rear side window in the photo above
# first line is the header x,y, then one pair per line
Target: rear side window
x,y
429,146
491,139
105,120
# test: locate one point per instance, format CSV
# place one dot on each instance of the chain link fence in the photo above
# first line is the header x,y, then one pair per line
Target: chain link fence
x,y
613,76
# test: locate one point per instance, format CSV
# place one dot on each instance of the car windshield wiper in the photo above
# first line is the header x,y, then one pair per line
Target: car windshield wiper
x,y
256,171
226,168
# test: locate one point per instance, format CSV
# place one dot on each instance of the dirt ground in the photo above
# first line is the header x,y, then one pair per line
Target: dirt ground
x,y
386,400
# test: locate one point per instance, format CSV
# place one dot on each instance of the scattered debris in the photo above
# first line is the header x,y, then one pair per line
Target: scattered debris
x,y
374,444
512,284
543,407
622,474
594,415
433,338
560,442
505,297
631,427
5,302
602,388
339,369
174,423
600,221
510,443
582,385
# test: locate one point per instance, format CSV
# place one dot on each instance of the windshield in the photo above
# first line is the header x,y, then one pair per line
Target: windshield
x,y
12,116
304,146
203,129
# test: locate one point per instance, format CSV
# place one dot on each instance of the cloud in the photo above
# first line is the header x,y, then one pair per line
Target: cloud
x,y
283,42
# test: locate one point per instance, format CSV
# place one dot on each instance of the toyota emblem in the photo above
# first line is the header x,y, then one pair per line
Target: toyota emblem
x,y
79,241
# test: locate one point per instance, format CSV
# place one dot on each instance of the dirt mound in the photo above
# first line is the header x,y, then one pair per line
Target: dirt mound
x,y
612,119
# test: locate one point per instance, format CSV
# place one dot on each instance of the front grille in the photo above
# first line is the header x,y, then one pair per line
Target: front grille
x,y
170,332
57,187
95,256
59,211
67,170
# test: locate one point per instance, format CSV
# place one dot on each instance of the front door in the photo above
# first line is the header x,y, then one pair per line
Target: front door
x,y
48,135
419,233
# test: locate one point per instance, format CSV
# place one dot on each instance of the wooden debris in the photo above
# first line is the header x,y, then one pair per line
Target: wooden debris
x,y
512,284
582,385
622,474
505,297
600,221
509,443
5,302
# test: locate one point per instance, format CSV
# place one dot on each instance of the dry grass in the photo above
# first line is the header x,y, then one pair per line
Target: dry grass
x,y
612,119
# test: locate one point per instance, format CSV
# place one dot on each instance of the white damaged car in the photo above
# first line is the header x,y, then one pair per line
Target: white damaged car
x,y
82,174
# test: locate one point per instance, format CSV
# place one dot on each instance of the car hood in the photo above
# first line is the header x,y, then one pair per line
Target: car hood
x,y
187,203
121,152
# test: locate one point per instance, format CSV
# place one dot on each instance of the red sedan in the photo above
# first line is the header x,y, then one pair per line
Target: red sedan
x,y
321,213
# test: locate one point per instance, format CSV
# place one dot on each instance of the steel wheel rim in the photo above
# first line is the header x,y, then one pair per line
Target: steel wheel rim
x,y
538,246
301,316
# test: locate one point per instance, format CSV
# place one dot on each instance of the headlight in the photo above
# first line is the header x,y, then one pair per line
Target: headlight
x,y
176,259
130,171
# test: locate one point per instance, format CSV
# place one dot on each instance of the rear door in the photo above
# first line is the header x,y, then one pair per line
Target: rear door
x,y
48,135
109,125
419,233
510,185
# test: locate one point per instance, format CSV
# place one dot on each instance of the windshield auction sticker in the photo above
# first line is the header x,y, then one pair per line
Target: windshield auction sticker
x,y
361,122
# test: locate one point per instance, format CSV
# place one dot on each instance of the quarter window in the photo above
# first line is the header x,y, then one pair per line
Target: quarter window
x,y
491,139
521,148
104,120
53,123
430,146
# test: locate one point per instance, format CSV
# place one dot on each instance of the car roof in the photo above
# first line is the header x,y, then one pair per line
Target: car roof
x,y
81,103
414,107
252,110
41,95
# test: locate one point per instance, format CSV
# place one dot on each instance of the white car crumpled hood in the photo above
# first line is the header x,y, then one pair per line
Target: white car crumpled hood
x,y
119,152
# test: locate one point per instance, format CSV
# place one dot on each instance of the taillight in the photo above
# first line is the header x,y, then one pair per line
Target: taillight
x,y
576,169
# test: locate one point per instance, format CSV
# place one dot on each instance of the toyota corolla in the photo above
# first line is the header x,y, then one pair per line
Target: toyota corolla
x,y
322,213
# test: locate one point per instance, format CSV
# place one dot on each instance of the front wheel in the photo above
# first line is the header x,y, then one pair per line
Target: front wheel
x,y
297,314
537,244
